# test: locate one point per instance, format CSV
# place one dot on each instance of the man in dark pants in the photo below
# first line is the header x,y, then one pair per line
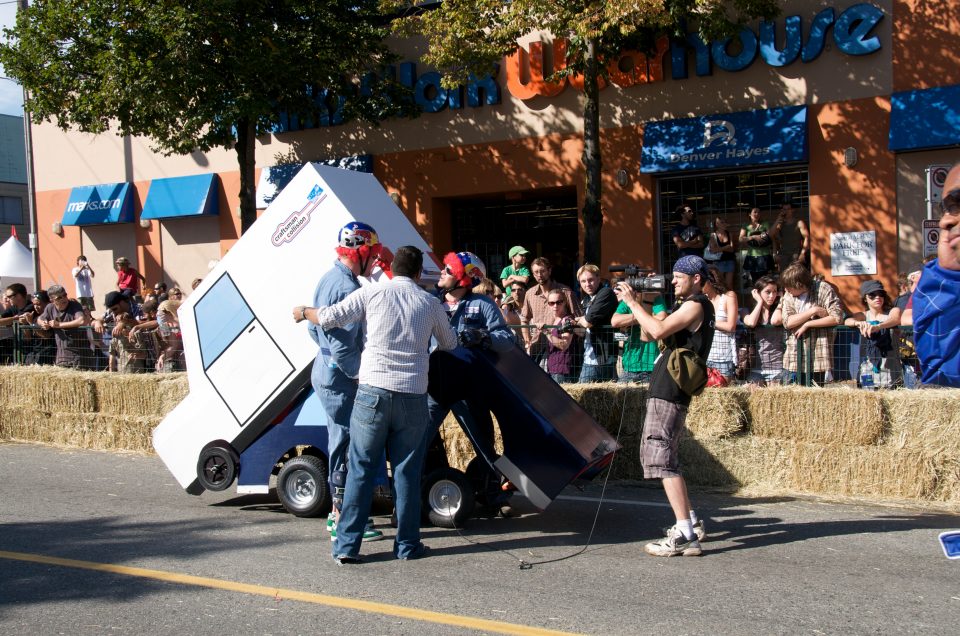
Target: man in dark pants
x,y
478,323
691,326
599,349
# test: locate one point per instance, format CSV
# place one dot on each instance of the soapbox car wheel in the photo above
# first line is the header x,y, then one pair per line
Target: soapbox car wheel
x,y
217,467
447,498
302,486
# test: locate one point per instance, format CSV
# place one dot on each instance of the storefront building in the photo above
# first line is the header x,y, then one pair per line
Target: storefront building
x,y
840,108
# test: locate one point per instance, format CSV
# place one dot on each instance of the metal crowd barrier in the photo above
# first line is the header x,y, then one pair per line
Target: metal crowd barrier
x,y
32,345
845,354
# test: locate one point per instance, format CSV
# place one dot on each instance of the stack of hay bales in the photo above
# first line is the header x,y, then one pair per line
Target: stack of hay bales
x,y
107,411
899,445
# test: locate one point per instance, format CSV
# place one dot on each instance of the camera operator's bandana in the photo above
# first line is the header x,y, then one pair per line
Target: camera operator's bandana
x,y
691,265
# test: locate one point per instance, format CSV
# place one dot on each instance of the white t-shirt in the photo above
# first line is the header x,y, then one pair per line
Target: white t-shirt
x,y
84,284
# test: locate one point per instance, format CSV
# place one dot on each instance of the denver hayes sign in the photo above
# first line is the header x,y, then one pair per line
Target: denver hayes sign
x,y
851,30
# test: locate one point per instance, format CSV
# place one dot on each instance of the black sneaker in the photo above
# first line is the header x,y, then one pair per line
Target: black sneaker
x,y
345,559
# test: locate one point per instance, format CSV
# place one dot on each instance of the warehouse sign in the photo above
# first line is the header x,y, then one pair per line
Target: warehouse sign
x,y
851,32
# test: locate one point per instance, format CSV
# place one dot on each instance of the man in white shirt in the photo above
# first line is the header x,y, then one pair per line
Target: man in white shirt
x,y
390,411
83,276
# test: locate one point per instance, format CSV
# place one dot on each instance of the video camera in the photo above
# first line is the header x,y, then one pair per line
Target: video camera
x,y
640,279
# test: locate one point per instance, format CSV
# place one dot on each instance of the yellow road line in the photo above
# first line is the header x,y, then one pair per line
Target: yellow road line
x,y
295,595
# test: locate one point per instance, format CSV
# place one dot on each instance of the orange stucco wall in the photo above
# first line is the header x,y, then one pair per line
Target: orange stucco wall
x,y
425,180
925,50
58,254
860,198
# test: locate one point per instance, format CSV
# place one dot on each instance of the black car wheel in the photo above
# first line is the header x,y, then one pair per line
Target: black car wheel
x,y
217,467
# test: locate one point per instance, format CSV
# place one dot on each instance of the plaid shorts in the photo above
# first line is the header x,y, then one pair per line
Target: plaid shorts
x,y
662,429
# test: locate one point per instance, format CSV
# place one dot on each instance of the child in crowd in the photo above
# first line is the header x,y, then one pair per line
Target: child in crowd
x,y
516,271
723,353
766,321
560,341
811,310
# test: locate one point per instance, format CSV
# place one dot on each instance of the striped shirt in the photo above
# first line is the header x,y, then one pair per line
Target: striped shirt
x,y
399,319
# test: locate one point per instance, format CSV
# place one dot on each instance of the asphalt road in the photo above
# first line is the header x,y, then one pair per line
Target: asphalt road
x,y
99,543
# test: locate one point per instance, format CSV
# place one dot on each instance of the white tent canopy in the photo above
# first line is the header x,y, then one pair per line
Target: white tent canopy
x,y
16,264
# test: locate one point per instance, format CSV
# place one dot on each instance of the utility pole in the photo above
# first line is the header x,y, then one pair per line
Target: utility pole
x,y
31,192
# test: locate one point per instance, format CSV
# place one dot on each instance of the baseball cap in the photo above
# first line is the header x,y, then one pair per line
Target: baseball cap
x,y
517,249
112,299
870,286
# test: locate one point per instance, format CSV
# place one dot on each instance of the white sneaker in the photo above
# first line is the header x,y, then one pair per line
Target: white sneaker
x,y
698,529
674,544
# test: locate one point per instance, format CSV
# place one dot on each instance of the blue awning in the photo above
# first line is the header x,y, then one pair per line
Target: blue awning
x,y
99,205
176,197
725,140
927,118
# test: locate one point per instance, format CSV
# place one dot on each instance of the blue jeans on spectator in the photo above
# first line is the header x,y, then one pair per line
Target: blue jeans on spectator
x,y
336,393
629,376
383,419
598,372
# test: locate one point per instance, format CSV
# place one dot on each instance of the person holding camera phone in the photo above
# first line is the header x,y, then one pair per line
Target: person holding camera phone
x,y
83,276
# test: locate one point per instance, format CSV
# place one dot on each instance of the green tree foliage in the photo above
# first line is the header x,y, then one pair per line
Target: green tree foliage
x,y
469,36
197,74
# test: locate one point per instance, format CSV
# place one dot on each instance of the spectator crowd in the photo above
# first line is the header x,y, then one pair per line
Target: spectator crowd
x,y
137,331
790,327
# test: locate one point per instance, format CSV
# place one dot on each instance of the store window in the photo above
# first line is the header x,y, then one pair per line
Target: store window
x,y
729,196
11,211
545,223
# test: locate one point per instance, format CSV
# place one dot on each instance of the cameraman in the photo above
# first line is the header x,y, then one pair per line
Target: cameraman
x,y
691,326
83,276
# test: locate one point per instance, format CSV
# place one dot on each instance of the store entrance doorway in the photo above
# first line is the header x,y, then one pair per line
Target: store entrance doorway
x,y
544,222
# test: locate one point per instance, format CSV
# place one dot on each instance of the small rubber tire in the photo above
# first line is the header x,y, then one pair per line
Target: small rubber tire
x,y
302,486
217,467
448,498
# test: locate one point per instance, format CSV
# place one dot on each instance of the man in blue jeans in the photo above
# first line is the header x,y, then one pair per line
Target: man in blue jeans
x,y
335,370
390,410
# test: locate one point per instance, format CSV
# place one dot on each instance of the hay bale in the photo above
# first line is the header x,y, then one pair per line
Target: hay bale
x,y
140,395
927,420
718,413
948,480
48,388
831,416
870,471
81,430
733,463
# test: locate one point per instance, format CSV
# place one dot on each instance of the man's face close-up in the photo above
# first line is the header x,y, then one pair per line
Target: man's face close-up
x,y
948,251
589,282
541,274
